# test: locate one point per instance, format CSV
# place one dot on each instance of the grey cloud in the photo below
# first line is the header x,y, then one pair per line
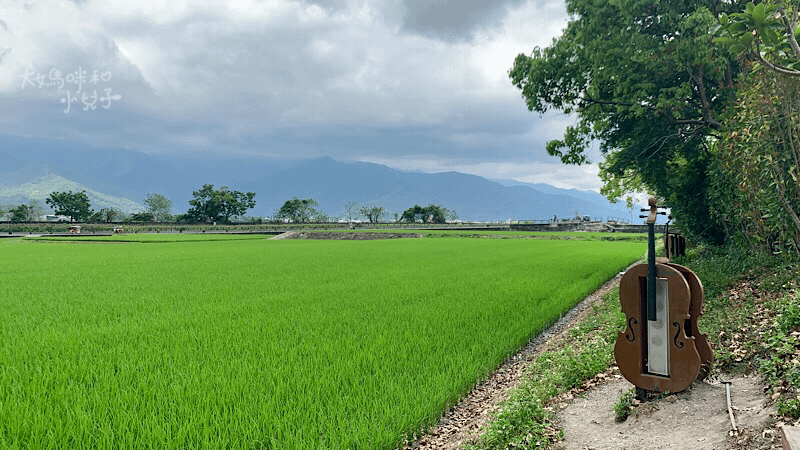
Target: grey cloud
x,y
307,89
97,54
453,20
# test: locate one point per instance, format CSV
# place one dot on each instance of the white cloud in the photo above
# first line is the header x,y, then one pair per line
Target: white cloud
x,y
568,177
533,24
583,177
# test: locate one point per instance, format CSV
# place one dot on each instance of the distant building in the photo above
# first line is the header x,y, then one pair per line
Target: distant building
x,y
53,218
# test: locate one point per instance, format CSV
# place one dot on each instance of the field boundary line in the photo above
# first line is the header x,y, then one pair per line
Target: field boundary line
x,y
284,235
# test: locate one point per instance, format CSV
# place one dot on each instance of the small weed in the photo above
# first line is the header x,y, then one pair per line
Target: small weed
x,y
789,319
790,408
624,406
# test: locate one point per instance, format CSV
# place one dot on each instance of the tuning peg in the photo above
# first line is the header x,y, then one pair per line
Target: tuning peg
x,y
644,210
642,217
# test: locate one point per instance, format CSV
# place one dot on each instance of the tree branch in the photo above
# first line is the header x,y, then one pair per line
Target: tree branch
x,y
705,105
789,31
775,68
607,102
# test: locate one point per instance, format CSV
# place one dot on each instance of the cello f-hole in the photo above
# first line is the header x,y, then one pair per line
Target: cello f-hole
x,y
632,336
677,334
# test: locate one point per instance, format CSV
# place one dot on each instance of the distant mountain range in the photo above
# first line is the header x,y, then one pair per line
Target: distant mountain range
x,y
40,188
121,178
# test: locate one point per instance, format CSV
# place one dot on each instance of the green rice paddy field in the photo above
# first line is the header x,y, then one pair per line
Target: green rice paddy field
x,y
184,342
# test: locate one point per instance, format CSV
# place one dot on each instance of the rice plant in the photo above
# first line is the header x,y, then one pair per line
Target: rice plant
x,y
268,344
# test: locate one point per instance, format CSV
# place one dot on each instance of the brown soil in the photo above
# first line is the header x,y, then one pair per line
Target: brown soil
x,y
697,418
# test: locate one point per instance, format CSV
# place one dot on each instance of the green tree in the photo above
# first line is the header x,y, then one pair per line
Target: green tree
x,y
373,213
646,81
428,214
298,210
210,205
19,214
74,205
26,213
159,206
757,187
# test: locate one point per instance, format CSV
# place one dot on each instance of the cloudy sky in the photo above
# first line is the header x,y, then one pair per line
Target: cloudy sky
x,y
413,84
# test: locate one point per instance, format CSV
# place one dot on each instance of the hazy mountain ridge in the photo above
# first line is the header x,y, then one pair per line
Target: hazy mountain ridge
x,y
333,184
113,175
41,188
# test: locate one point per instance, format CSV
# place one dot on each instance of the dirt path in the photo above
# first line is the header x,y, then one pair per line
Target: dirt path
x,y
694,419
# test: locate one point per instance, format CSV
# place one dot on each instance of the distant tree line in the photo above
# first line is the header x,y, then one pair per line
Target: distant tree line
x,y
211,205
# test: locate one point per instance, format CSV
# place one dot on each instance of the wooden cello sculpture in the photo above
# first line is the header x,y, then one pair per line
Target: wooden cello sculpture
x,y
695,311
657,351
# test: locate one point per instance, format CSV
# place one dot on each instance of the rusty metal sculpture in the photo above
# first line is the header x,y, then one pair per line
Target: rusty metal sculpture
x,y
661,348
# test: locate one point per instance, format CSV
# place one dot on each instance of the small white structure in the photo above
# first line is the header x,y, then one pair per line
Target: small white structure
x,y
53,218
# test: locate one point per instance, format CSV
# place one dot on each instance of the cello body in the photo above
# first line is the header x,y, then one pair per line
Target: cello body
x,y
631,348
695,311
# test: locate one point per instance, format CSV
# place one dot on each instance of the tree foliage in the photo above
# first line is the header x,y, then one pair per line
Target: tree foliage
x,y
428,214
767,33
107,215
159,206
26,213
299,210
757,187
74,205
646,81
19,214
219,205
373,213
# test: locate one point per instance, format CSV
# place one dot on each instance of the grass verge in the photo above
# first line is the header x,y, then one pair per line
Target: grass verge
x,y
525,420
